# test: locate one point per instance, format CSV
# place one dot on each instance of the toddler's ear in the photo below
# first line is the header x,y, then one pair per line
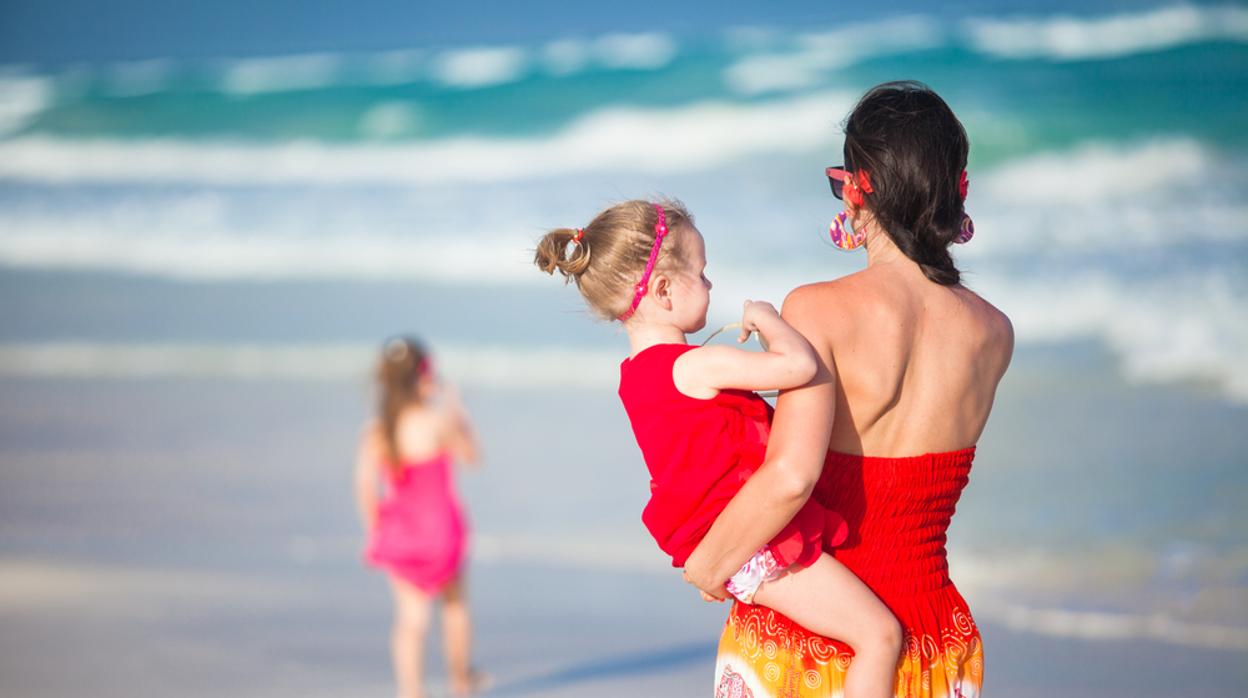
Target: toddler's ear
x,y
661,289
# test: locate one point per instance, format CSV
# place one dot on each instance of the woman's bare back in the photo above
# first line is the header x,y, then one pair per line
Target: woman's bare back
x,y
917,363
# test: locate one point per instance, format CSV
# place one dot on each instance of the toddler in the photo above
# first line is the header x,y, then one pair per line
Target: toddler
x,y
703,430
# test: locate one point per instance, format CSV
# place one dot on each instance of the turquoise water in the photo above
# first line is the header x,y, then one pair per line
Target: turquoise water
x,y
1195,88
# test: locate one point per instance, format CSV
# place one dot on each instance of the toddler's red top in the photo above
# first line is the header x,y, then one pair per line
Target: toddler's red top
x,y
700,453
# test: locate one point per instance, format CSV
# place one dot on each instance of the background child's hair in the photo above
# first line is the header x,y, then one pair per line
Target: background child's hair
x,y
404,362
611,256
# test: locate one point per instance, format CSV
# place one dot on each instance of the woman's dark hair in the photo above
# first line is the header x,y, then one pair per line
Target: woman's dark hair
x,y
915,149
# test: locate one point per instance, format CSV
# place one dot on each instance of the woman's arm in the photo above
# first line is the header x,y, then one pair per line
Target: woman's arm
x,y
367,480
788,361
777,491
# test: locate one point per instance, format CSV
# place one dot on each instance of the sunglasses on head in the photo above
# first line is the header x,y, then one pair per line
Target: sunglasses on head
x,y
836,179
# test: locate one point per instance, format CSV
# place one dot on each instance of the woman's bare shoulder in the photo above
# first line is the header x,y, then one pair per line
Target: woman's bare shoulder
x,y
840,304
996,322
1002,324
822,296
1003,334
810,310
994,329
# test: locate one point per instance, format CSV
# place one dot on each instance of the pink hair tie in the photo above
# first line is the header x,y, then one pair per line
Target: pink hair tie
x,y
639,291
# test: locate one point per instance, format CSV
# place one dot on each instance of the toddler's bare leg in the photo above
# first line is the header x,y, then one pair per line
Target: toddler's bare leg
x,y
828,599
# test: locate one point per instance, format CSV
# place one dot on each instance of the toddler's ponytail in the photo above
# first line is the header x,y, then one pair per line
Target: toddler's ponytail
x,y
553,253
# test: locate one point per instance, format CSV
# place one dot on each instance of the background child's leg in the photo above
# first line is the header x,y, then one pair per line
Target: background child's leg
x,y
457,636
407,639
828,599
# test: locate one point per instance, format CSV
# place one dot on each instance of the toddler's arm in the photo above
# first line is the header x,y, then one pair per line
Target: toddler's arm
x,y
788,361
780,487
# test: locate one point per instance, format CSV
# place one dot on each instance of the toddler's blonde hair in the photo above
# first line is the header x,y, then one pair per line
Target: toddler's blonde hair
x,y
608,261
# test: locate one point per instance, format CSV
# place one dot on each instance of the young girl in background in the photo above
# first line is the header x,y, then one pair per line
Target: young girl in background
x,y
701,428
416,532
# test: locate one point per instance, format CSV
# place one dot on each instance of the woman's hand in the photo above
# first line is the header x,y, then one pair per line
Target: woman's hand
x,y
710,590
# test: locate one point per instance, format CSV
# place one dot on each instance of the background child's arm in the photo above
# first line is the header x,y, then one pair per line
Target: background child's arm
x,y
460,439
788,362
367,480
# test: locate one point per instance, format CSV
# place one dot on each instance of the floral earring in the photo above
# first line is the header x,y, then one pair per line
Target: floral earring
x,y
843,234
966,230
841,231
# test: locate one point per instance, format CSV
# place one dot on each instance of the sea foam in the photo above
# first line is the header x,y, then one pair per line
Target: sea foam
x,y
137,78
477,67
627,139
491,366
193,239
812,56
248,76
1108,198
1068,38
644,51
22,97
1081,252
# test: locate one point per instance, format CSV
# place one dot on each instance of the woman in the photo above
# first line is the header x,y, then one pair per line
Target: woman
x,y
417,534
885,432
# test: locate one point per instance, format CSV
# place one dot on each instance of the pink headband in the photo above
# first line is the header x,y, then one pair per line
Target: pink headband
x,y
639,291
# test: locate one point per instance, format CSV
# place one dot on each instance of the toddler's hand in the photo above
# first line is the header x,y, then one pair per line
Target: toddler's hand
x,y
754,312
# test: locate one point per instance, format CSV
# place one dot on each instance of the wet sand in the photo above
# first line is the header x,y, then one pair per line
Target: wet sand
x,y
196,537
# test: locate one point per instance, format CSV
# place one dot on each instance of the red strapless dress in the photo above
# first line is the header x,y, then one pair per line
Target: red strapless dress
x,y
898,510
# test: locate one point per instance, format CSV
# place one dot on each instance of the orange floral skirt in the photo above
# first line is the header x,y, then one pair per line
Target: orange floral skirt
x,y
764,654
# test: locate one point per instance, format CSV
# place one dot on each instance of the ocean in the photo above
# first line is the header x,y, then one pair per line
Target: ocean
x,y
199,257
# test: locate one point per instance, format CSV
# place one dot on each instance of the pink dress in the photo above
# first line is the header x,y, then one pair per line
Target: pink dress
x,y
421,534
